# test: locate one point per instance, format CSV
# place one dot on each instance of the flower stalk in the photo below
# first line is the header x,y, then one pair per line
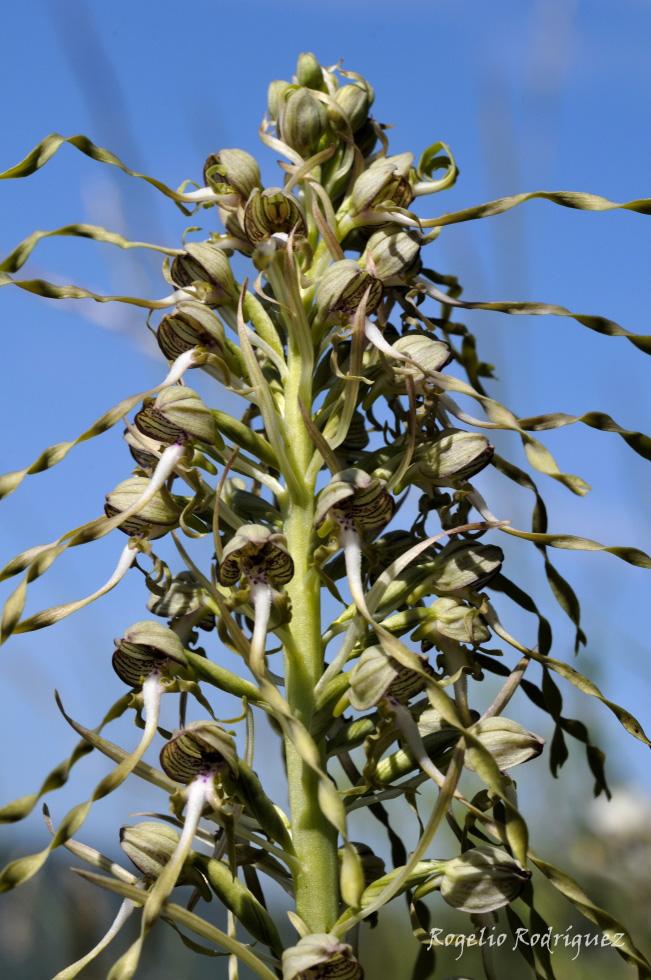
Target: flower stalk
x,y
347,472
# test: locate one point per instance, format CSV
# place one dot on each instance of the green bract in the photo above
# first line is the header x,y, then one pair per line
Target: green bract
x,y
365,416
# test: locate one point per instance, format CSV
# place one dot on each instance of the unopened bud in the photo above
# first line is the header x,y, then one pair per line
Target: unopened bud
x,y
232,171
453,457
303,121
390,256
355,101
158,516
385,182
177,414
149,845
275,96
206,267
452,619
377,675
508,742
272,212
342,289
463,565
482,879
308,71
424,353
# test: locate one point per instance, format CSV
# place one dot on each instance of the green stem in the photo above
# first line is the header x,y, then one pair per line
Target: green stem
x,y
315,839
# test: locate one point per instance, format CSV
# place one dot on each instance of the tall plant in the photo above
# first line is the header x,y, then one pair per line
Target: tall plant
x,y
338,344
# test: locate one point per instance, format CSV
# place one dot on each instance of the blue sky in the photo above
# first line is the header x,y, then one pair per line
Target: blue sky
x,y
551,94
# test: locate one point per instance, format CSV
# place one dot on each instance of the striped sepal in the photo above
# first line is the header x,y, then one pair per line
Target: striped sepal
x,y
133,663
270,212
153,424
200,748
256,551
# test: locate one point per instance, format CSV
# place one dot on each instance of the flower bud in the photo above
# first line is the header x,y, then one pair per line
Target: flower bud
x,y
158,516
189,325
183,597
384,182
342,289
426,354
355,101
309,72
452,619
149,845
146,648
453,457
508,742
275,96
377,675
355,497
482,879
390,256
201,747
256,552
205,265
366,138
462,565
177,415
319,957
271,212
303,121
232,172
